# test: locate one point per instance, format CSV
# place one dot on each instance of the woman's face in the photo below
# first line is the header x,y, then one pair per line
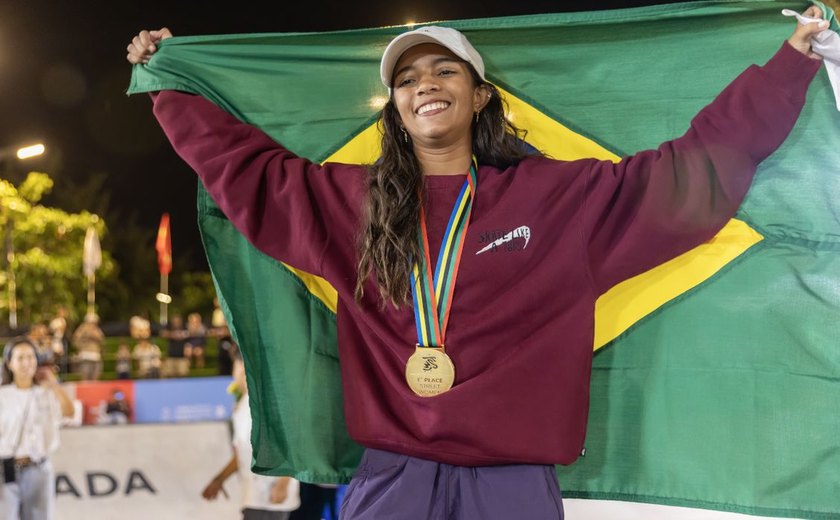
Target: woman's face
x,y
435,95
23,362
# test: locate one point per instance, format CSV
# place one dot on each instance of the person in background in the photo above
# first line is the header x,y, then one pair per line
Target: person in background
x,y
39,336
139,327
263,498
196,339
145,352
32,404
88,340
116,410
123,363
226,346
177,362
58,333
217,319
147,355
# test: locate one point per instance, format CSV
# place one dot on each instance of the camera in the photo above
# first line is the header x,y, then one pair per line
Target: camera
x,y
9,470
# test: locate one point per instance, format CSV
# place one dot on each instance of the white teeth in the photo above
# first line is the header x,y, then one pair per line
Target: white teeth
x,y
432,106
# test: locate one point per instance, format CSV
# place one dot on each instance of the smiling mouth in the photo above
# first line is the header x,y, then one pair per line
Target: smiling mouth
x,y
430,107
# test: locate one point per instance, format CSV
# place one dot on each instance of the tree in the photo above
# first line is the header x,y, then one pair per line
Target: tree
x,y
131,287
194,293
47,246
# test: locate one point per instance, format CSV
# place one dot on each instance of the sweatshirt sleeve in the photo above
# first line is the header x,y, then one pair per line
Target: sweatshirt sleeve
x,y
288,207
658,204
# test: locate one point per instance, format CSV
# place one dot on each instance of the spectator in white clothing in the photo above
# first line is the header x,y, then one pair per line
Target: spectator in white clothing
x,y
31,406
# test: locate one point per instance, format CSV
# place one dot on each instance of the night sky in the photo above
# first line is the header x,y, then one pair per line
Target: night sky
x,y
63,75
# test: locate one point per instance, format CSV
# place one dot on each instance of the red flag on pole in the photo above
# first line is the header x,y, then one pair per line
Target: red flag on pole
x,y
164,246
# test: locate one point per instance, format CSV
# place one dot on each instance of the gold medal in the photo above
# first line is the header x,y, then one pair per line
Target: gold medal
x,y
429,371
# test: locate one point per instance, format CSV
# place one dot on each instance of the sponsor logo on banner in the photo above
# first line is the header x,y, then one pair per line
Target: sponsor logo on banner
x,y
142,471
102,484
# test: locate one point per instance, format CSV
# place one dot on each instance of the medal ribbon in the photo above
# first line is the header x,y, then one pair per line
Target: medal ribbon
x,y
433,294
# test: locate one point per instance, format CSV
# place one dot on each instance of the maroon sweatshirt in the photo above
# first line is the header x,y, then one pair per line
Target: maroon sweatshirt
x,y
522,320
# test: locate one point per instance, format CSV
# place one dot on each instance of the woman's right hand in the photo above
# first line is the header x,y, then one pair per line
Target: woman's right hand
x,y
143,45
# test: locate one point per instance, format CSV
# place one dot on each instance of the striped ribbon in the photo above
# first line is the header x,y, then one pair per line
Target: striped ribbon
x,y
433,293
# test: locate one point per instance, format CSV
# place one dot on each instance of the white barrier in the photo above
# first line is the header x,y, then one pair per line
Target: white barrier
x,y
577,509
143,471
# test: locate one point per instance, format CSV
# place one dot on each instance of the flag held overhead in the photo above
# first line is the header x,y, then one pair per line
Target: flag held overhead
x,y
703,400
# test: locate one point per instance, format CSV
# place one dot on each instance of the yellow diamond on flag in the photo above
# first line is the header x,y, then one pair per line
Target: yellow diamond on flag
x,y
624,304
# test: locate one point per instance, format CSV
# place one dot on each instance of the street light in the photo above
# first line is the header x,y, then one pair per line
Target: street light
x,y
25,152
9,153
30,151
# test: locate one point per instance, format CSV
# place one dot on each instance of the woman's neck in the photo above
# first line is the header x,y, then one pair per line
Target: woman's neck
x,y
23,384
448,160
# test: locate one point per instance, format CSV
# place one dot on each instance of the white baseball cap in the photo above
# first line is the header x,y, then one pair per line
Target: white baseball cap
x,y
449,38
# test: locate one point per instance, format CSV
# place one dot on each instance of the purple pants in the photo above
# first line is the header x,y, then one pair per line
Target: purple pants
x,y
392,486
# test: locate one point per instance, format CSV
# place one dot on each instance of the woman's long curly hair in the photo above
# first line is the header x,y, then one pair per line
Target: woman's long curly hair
x,y
388,244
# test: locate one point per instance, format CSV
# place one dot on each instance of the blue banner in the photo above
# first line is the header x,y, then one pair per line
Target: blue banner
x,y
182,400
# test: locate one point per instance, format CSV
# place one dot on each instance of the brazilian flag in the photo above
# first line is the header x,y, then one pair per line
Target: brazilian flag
x,y
716,379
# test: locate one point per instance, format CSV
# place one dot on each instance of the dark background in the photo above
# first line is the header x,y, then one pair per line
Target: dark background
x,y
63,77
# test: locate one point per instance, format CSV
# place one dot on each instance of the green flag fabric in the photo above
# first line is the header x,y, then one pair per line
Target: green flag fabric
x,y
716,380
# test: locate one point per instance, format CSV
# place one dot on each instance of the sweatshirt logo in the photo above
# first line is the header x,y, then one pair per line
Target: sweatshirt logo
x,y
520,232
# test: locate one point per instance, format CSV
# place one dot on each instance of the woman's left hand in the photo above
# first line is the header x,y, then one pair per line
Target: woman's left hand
x,y
801,38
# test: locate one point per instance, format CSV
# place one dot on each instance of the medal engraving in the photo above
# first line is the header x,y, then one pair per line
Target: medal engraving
x,y
429,371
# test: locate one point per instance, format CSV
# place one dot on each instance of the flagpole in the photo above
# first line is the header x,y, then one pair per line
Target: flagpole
x,y
164,290
163,246
91,295
10,274
91,260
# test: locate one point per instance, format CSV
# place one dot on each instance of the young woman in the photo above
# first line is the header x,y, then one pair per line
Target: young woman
x,y
31,407
465,359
